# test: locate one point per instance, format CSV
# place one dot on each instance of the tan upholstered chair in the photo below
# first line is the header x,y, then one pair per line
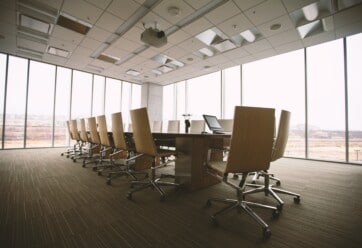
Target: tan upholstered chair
x,y
250,151
76,136
157,127
122,149
173,126
146,146
70,151
106,145
278,152
95,141
197,126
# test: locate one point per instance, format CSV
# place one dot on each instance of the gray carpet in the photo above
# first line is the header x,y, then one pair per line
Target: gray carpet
x,y
48,201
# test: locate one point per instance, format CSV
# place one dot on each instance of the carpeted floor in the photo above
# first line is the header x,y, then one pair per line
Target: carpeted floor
x,y
46,200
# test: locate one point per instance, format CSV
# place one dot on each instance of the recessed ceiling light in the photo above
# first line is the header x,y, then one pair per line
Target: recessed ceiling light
x,y
275,26
190,59
133,72
248,35
58,52
173,11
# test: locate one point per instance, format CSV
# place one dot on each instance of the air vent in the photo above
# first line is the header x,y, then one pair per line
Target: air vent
x,y
58,52
34,24
72,23
108,58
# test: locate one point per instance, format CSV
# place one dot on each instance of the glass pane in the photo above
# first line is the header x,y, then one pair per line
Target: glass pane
x,y
267,83
15,102
126,101
181,97
81,95
204,95
232,91
354,61
113,96
168,102
62,106
136,96
39,126
2,93
98,95
326,115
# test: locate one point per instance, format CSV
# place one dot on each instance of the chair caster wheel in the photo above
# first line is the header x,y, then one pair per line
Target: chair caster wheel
x,y
99,173
208,204
296,200
277,183
162,198
61,154
280,207
235,176
266,232
67,156
275,213
129,196
253,182
108,182
74,160
214,221
94,168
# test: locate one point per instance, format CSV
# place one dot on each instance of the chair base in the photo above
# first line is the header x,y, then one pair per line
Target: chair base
x,y
241,205
152,183
271,190
124,172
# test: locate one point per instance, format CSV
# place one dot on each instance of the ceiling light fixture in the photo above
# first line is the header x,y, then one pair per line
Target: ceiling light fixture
x,y
310,11
275,26
133,73
58,52
248,35
173,11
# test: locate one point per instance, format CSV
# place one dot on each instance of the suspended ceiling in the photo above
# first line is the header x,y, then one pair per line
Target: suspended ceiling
x,y
201,38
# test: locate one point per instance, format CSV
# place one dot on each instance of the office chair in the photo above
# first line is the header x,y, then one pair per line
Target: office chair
x,y
173,126
95,141
277,153
106,145
122,151
76,135
157,127
250,149
197,126
75,145
145,145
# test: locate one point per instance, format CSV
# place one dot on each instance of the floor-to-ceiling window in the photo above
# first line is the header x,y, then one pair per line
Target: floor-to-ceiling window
x,y
39,121
113,96
231,91
81,95
126,101
3,60
203,95
16,102
354,73
278,82
98,95
326,101
62,106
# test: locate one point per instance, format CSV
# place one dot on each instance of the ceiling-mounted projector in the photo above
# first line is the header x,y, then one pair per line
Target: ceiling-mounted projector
x,y
154,37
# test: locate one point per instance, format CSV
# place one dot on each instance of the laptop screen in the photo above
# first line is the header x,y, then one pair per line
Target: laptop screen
x,y
213,123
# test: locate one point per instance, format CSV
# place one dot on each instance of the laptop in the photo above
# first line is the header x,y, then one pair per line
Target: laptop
x,y
214,125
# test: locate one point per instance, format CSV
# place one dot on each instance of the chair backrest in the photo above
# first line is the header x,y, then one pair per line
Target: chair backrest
x,y
130,129
173,126
69,131
282,135
157,126
74,129
252,140
83,131
197,126
226,124
92,125
103,131
117,131
142,132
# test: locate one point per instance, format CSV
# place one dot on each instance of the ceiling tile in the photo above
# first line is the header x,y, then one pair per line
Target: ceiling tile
x,y
123,9
191,44
292,46
247,4
134,34
53,3
109,22
197,26
82,10
49,58
348,16
283,38
197,4
235,25
163,10
98,34
257,46
90,43
61,33
284,21
126,45
102,4
218,15
265,12
236,53
175,52
292,5
178,37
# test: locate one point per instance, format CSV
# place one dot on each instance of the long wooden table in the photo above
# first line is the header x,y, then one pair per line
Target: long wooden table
x,y
190,169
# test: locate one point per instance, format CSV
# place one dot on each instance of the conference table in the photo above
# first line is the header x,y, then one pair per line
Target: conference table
x,y
193,151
